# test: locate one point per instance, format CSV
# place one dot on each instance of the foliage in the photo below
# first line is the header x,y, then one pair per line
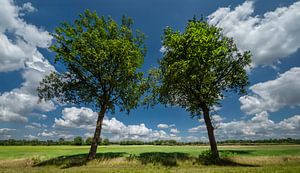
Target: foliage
x,y
105,142
198,66
78,140
207,158
166,159
101,60
88,140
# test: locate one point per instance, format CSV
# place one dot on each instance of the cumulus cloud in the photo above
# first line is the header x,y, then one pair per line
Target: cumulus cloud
x,y
197,129
274,94
174,130
26,37
6,133
19,43
35,125
258,127
76,118
28,7
196,139
47,133
85,118
52,134
165,126
30,137
269,37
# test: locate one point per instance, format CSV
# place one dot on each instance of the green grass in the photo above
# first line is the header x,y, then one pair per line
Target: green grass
x,y
15,152
261,158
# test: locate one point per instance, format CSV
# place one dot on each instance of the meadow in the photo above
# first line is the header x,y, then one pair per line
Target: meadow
x,y
148,158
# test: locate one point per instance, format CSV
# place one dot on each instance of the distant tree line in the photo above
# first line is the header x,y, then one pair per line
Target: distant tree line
x,y
80,141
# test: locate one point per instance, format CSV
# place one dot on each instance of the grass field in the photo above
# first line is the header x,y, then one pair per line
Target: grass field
x,y
114,158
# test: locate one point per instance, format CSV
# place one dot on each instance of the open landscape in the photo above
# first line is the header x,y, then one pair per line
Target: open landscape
x,y
150,86
116,158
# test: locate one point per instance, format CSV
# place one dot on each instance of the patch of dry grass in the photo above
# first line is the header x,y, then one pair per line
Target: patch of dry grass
x,y
263,164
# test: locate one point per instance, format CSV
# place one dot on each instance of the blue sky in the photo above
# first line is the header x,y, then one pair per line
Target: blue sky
x,y
270,30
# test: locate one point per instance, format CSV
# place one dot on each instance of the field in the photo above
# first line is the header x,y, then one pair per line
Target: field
x,y
114,158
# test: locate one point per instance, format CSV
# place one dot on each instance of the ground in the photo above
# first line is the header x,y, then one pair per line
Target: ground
x,y
144,158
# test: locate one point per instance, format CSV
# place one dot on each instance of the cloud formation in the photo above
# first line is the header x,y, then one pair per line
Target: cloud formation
x,y
165,126
19,43
270,37
274,94
258,127
85,118
6,133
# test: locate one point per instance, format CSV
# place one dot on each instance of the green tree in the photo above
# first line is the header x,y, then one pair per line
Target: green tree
x,y
198,66
101,60
105,142
88,140
78,140
61,141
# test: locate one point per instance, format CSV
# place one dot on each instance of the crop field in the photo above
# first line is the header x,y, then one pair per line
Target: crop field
x,y
146,158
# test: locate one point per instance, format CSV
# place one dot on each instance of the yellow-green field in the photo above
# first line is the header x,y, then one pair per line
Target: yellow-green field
x,y
114,158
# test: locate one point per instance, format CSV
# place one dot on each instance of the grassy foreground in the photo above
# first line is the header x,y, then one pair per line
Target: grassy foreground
x,y
114,158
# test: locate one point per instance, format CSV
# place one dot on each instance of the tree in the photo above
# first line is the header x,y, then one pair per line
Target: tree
x,y
88,140
105,142
197,67
78,140
101,60
61,141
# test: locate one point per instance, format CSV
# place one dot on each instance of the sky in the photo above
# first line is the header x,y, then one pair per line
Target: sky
x,y
269,29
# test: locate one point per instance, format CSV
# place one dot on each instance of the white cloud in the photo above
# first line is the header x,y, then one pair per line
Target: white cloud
x,y
76,118
30,137
19,43
197,139
165,126
6,133
197,129
174,130
163,49
258,127
47,133
16,51
29,127
85,118
274,94
270,37
28,7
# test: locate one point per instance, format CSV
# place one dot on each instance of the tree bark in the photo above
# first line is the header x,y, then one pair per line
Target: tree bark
x,y
94,145
210,132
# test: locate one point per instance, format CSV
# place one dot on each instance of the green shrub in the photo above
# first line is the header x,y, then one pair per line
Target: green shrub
x,y
207,158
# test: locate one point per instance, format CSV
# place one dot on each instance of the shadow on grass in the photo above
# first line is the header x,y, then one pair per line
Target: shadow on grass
x,y
236,152
162,158
165,159
206,158
228,162
78,159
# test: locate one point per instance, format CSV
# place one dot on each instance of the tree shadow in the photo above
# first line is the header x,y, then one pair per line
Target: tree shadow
x,y
236,152
229,162
165,159
78,159
225,158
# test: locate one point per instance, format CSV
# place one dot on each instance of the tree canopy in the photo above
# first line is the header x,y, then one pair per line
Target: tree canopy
x,y
199,65
101,60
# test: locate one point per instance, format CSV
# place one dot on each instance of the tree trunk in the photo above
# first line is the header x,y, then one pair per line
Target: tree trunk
x,y
94,145
210,132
